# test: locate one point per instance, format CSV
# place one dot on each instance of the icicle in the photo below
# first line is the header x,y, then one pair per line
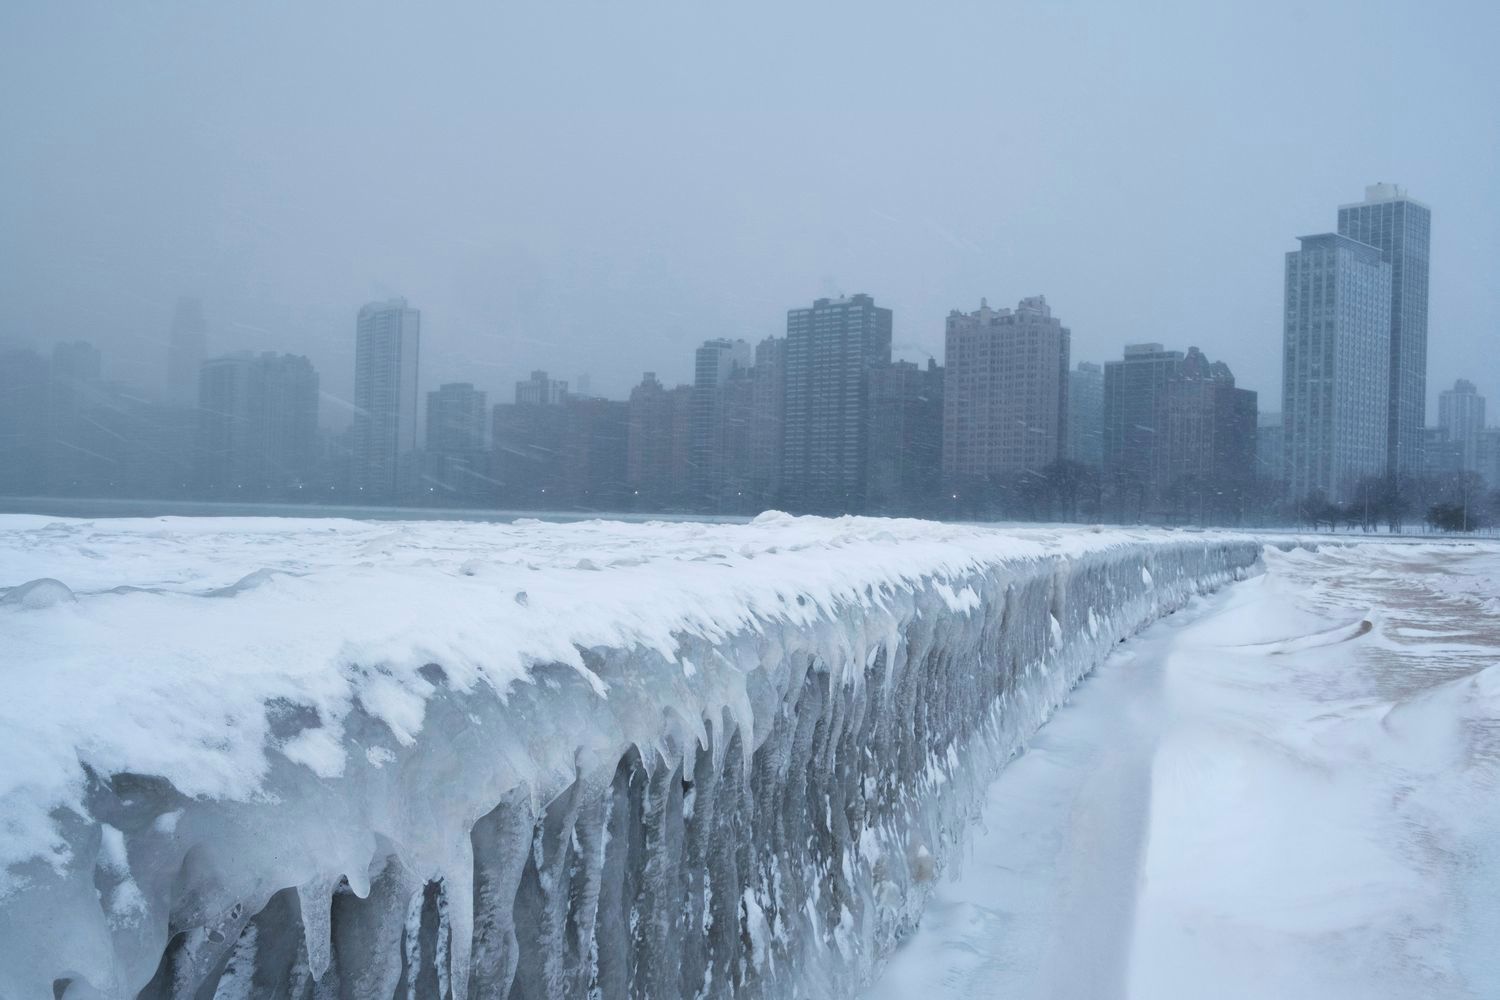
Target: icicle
x,y
316,899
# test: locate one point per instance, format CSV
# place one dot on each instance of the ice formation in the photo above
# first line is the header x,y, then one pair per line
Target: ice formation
x,y
266,758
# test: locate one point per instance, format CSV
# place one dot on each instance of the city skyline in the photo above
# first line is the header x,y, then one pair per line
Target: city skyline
x,y
518,237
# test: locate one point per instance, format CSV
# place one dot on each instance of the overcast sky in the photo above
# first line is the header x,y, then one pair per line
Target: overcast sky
x,y
599,187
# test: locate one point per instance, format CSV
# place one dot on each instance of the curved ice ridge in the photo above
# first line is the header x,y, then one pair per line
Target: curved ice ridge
x,y
763,814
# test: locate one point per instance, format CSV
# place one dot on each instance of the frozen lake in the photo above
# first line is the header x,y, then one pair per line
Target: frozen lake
x,y
1261,796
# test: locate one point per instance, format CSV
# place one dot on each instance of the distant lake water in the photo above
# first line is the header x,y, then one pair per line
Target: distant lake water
x,y
95,508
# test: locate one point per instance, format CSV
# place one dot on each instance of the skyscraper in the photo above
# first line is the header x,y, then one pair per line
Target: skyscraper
x,y
1005,398
1400,228
1336,357
830,350
456,415
1461,418
1086,414
186,348
388,337
257,425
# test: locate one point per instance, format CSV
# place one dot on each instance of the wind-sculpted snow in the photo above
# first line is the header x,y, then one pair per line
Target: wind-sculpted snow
x,y
269,758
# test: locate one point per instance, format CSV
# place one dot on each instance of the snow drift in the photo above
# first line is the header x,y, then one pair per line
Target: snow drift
x,y
259,757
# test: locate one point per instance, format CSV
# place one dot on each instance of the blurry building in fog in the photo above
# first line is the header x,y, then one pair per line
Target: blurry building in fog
x,y
1086,414
831,348
539,390
187,346
767,422
1005,397
1270,457
458,461
1336,356
658,445
720,418
257,426
594,454
1442,456
23,422
81,452
1487,458
1400,228
386,355
1179,436
905,438
1461,419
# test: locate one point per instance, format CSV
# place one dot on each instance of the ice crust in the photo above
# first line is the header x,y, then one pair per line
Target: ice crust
x,y
266,758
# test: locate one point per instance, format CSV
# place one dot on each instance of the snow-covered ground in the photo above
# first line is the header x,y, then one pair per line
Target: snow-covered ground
x,y
540,759
1261,796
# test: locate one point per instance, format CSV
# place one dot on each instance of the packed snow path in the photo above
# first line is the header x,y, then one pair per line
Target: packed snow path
x,y
267,758
1290,789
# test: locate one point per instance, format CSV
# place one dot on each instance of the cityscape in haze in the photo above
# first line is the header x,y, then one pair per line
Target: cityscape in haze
x,y
818,417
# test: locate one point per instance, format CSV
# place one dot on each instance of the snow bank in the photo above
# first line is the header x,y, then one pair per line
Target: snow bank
x,y
248,755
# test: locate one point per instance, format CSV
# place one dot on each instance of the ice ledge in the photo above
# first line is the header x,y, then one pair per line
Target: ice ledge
x,y
268,758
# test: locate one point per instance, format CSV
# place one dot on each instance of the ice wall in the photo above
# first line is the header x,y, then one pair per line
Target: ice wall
x,y
759,809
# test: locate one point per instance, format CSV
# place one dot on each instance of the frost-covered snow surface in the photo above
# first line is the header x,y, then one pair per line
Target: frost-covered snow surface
x,y
1289,790
262,757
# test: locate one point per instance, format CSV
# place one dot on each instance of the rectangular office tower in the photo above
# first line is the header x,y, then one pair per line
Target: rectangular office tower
x,y
830,350
387,342
1335,366
1400,228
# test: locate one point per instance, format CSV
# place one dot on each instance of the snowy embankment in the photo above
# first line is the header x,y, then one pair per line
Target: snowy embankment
x,y
1286,790
238,756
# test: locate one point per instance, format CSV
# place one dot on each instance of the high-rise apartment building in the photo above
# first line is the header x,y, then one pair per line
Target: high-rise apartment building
x,y
1400,228
1336,357
1086,414
1005,394
257,425
387,345
830,350
186,349
1461,419
456,455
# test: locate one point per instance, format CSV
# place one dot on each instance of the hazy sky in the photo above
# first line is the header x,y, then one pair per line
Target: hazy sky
x,y
599,187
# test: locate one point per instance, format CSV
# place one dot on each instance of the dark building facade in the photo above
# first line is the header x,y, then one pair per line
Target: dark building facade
x,y
1179,437
905,439
831,349
658,447
714,462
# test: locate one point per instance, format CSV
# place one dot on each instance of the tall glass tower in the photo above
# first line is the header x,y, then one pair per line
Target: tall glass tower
x,y
1400,228
1335,366
385,395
